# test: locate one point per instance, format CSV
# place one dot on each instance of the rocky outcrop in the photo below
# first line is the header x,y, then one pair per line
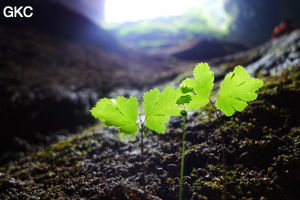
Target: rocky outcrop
x,y
268,58
205,49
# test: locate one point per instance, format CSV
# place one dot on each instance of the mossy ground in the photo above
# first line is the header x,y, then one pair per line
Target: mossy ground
x,y
261,157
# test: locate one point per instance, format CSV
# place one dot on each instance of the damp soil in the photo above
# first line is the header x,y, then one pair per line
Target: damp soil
x,y
252,155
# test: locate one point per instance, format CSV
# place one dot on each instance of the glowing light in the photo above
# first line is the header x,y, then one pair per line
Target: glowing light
x,y
135,10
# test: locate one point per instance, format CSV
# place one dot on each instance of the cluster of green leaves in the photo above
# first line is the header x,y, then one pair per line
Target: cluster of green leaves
x,y
236,90
123,113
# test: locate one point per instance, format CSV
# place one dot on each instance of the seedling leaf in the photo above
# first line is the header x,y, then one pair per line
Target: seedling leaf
x,y
159,107
186,90
202,85
236,90
120,112
184,99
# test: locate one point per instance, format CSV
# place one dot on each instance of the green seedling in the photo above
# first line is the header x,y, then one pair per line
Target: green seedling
x,y
199,90
123,113
235,91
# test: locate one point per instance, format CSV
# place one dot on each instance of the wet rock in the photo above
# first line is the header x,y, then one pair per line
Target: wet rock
x,y
281,54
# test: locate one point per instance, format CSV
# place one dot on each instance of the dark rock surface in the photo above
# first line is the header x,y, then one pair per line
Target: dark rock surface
x,y
205,49
262,157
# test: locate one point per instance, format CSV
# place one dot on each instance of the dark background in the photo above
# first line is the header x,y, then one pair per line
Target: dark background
x,y
55,65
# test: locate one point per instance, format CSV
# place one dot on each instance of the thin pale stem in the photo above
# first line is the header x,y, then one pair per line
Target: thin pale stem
x,y
223,148
142,150
182,159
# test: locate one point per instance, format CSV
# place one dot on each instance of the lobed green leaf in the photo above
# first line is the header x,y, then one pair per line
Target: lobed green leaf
x,y
202,85
120,112
159,107
236,90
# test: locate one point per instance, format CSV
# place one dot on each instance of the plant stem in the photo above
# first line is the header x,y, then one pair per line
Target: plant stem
x,y
182,159
223,197
142,151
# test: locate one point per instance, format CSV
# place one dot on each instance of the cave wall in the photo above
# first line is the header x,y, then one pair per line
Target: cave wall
x,y
290,9
254,20
93,9
63,21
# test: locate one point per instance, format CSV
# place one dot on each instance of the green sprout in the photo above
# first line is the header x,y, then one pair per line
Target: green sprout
x,y
123,113
199,90
236,90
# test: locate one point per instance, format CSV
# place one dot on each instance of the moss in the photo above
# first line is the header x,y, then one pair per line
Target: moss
x,y
267,132
262,153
